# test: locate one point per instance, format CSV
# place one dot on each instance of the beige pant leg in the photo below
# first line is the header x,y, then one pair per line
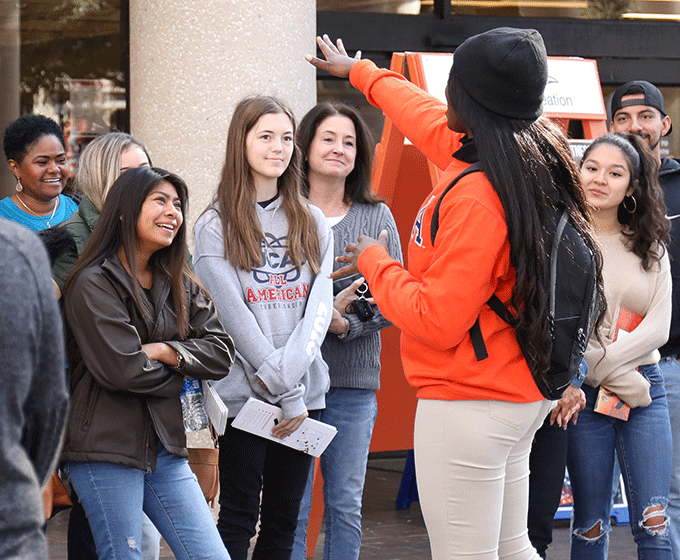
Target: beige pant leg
x,y
472,469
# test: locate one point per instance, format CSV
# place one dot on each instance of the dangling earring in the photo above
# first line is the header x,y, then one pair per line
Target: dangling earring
x,y
19,187
625,206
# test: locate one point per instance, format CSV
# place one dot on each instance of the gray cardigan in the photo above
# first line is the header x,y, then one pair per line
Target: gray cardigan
x,y
355,361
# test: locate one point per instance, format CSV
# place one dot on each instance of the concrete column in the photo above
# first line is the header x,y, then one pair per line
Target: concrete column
x,y
9,78
191,61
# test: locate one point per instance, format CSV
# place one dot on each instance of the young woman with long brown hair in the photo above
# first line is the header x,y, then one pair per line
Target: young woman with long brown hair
x,y
138,323
265,256
620,179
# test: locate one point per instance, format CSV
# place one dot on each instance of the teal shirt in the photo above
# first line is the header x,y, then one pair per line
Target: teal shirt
x,y
10,211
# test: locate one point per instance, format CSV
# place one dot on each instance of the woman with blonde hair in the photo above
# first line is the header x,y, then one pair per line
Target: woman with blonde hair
x,y
265,256
100,164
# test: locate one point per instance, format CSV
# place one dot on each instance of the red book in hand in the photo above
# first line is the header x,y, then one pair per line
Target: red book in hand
x,y
607,402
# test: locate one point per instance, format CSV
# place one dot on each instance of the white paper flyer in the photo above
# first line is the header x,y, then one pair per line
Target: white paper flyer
x,y
258,417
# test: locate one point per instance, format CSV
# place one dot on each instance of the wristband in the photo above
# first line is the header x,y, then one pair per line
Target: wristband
x,y
345,332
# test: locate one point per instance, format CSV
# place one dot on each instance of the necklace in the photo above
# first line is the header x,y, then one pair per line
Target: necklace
x,y
338,208
48,220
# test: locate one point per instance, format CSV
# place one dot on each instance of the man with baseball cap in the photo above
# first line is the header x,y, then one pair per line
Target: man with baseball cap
x,y
639,108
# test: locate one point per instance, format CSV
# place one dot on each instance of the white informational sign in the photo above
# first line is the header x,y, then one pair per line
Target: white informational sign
x,y
436,68
573,88
258,417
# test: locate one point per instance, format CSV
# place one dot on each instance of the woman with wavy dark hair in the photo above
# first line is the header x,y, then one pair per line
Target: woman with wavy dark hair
x,y
475,419
138,323
338,150
620,179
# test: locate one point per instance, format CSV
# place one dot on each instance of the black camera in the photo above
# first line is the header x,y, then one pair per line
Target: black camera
x,y
361,306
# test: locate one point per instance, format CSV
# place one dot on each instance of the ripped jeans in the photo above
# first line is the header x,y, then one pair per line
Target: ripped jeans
x,y
643,446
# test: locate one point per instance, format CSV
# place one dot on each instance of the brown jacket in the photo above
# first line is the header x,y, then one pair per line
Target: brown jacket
x,y
122,402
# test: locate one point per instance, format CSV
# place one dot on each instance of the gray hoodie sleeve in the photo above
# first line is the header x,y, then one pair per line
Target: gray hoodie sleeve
x,y
34,401
283,369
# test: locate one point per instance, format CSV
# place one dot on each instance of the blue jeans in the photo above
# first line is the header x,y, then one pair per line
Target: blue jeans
x,y
670,368
114,497
343,466
643,446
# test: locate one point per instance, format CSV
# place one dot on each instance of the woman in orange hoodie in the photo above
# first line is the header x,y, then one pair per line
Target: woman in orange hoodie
x,y
475,419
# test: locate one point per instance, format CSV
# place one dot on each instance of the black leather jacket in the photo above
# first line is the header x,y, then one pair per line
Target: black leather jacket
x,y
122,402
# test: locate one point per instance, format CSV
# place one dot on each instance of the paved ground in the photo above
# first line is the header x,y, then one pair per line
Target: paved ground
x,y
389,534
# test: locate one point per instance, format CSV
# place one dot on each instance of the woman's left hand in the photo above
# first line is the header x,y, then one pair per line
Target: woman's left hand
x,y
288,425
572,402
337,325
354,251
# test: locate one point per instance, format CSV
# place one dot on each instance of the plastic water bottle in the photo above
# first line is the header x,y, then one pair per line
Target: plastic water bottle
x,y
193,412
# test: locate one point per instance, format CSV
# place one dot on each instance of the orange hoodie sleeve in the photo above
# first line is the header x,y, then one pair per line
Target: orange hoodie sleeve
x,y
405,104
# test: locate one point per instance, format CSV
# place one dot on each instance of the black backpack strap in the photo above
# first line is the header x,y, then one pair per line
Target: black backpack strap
x,y
499,308
553,258
475,332
478,342
476,338
434,226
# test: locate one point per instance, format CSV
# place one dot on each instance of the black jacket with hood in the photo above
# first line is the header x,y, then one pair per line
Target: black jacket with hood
x,y
669,177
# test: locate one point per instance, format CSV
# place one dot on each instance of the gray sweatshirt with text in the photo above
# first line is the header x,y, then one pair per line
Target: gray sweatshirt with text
x,y
276,313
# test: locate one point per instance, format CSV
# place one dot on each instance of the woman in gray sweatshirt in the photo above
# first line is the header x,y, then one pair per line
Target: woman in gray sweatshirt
x,y
265,256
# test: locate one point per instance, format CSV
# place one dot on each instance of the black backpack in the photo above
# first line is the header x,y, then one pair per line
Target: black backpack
x,y
573,295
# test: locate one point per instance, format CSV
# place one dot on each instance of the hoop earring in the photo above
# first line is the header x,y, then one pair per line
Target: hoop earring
x,y
625,206
19,187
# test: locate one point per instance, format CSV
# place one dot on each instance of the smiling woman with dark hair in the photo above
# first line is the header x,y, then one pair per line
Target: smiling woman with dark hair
x,y
36,156
620,179
336,177
138,323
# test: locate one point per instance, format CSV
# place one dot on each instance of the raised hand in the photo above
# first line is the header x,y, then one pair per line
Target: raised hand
x,y
338,62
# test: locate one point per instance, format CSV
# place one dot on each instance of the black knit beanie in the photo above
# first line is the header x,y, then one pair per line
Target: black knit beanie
x,y
504,70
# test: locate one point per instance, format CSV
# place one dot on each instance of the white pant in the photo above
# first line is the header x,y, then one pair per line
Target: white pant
x,y
472,468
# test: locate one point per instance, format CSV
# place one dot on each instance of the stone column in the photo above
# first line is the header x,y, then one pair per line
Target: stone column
x,y
192,61
9,78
